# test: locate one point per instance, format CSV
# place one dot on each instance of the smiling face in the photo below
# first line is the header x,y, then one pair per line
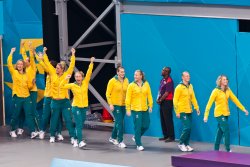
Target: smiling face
x,y
137,76
224,81
121,72
59,69
20,65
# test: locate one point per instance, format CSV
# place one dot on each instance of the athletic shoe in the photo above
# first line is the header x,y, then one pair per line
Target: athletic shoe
x,y
140,148
75,144
82,144
182,147
60,137
114,141
34,134
122,145
13,134
189,149
20,131
72,140
52,140
41,135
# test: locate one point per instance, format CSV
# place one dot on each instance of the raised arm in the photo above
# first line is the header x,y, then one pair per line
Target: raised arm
x,y
50,68
9,61
72,62
90,69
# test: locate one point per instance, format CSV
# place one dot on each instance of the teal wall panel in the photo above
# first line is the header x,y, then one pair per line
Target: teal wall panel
x,y
204,47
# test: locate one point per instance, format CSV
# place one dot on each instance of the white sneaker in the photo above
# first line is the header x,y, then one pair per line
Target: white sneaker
x,y
13,134
82,144
20,131
189,149
34,134
140,148
122,145
52,140
60,137
72,140
75,144
41,135
114,141
133,138
182,147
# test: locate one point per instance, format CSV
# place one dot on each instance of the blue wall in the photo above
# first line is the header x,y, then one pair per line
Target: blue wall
x,y
220,2
22,20
204,47
1,17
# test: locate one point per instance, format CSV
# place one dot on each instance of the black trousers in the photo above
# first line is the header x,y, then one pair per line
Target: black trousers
x,y
167,125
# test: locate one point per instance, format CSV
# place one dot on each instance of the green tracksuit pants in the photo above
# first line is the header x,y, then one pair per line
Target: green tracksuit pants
x,y
141,124
24,104
47,115
222,130
59,107
118,130
79,117
186,119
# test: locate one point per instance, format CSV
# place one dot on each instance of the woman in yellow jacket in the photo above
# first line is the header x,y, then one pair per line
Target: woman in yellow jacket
x,y
220,96
47,100
116,94
60,103
21,95
184,98
80,101
139,102
31,72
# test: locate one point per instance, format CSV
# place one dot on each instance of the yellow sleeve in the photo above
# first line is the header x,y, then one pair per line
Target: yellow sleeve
x,y
177,93
209,103
194,101
67,86
49,68
235,100
128,97
23,52
150,98
71,65
32,61
89,72
10,65
109,90
30,84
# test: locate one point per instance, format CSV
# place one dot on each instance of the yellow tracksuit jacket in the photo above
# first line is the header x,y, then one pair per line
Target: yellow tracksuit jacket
x,y
80,92
21,83
221,102
31,70
184,97
116,91
47,91
57,89
138,98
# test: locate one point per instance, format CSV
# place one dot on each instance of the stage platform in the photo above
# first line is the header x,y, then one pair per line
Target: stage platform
x,y
212,159
23,151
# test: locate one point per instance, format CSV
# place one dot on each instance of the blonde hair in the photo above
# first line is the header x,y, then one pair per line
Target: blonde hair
x,y
219,79
142,74
62,64
24,66
80,72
